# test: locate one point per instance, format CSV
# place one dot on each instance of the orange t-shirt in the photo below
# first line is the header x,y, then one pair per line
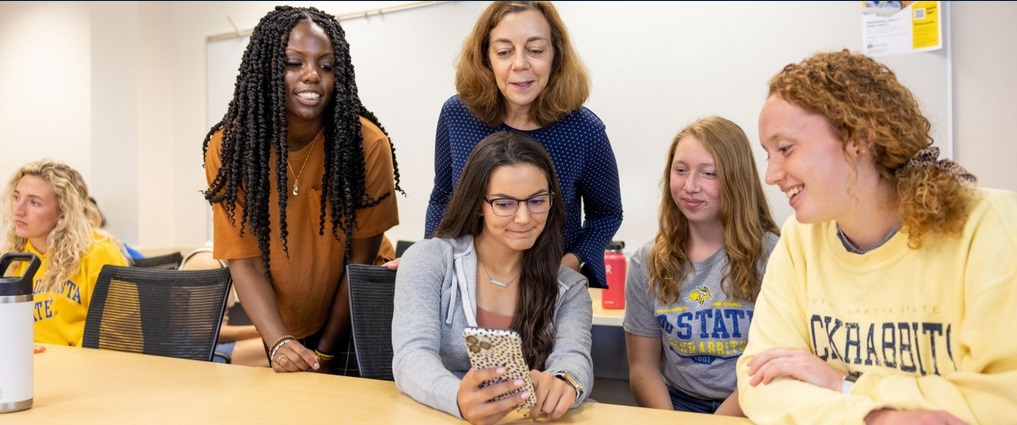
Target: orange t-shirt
x,y
305,283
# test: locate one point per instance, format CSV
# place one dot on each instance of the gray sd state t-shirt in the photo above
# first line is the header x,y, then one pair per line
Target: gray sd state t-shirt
x,y
703,334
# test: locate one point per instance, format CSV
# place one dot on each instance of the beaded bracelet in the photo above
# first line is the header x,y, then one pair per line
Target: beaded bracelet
x,y
274,344
277,347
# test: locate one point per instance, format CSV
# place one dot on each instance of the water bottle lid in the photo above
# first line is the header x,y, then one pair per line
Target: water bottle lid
x,y
18,285
616,246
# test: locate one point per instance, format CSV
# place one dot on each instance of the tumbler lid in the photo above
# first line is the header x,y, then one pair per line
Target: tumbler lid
x,y
18,285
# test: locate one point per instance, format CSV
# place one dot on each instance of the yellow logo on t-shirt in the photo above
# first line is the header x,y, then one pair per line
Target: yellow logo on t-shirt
x,y
700,295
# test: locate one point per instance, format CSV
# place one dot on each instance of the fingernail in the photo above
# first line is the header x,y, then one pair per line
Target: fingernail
x,y
500,370
524,395
316,366
518,382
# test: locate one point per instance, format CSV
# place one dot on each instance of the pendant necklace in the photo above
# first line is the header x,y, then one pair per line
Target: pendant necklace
x,y
296,176
496,282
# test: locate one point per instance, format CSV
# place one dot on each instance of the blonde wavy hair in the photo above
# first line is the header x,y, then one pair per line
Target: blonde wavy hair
x,y
75,231
864,103
568,86
744,212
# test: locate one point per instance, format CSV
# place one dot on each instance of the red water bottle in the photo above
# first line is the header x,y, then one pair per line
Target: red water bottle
x,y
614,264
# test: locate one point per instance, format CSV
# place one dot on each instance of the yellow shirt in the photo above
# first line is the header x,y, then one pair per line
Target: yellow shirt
x,y
60,317
927,327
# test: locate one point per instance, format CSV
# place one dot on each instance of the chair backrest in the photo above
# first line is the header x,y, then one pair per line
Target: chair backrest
x,y
371,292
401,247
167,261
172,313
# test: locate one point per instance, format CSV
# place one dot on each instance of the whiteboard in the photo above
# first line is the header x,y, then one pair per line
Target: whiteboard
x,y
655,67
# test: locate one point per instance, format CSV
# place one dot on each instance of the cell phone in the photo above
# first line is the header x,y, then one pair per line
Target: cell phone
x,y
500,348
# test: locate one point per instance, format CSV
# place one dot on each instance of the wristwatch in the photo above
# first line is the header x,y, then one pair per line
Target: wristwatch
x,y
567,377
849,382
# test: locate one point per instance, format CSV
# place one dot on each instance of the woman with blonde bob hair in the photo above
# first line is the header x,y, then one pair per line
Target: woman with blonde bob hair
x,y
46,212
883,300
519,72
692,288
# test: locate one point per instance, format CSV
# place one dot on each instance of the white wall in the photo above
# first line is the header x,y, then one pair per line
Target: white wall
x,y
985,90
45,85
119,88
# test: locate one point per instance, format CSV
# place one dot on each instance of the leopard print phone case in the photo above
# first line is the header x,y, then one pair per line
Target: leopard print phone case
x,y
500,348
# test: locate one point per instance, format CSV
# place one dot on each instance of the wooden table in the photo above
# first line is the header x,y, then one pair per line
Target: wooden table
x,y
81,385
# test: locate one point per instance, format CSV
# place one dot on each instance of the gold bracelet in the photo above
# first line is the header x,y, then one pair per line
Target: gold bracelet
x,y
324,356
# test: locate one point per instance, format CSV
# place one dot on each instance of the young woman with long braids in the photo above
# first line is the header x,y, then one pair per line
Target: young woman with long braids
x,y
495,262
301,179
46,212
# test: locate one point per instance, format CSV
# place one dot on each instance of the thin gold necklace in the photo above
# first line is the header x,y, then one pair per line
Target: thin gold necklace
x,y
496,282
296,176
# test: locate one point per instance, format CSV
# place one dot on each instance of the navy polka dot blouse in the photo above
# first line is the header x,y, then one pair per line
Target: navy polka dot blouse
x,y
583,159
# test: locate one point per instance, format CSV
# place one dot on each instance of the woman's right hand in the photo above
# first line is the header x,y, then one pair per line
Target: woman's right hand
x,y
474,401
294,357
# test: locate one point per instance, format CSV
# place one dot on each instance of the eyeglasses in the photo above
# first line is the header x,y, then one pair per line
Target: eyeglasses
x,y
506,207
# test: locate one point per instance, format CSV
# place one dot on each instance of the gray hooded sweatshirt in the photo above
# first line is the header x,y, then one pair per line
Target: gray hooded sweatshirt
x,y
435,299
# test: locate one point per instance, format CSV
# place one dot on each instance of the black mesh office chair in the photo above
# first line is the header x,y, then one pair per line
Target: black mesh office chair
x,y
172,313
371,292
168,261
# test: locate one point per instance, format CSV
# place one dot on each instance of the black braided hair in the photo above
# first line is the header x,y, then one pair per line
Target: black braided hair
x,y
255,125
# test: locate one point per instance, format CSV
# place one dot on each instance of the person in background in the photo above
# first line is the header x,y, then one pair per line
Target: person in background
x,y
887,297
519,71
46,212
301,180
241,344
499,245
130,253
689,292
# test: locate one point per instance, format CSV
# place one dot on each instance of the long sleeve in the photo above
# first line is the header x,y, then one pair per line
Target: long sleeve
x,y
600,191
983,389
417,327
924,326
781,322
573,326
442,190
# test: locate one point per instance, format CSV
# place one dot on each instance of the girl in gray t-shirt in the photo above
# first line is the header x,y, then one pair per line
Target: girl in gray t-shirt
x,y
690,292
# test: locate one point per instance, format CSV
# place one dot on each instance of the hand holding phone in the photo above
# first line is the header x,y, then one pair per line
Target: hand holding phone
x,y
489,348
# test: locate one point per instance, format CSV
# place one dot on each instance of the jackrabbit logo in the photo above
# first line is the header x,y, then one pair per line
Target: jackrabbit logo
x,y
700,295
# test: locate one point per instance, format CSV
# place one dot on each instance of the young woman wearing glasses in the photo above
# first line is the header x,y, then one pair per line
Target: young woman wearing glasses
x,y
495,262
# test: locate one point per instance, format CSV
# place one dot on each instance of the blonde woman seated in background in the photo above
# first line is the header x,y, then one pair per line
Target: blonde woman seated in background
x,y
690,292
46,212
241,344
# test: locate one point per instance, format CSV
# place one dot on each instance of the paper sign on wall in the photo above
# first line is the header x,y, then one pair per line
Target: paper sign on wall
x,y
896,27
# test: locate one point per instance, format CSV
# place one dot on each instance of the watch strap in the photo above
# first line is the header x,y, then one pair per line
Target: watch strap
x,y
569,379
849,382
